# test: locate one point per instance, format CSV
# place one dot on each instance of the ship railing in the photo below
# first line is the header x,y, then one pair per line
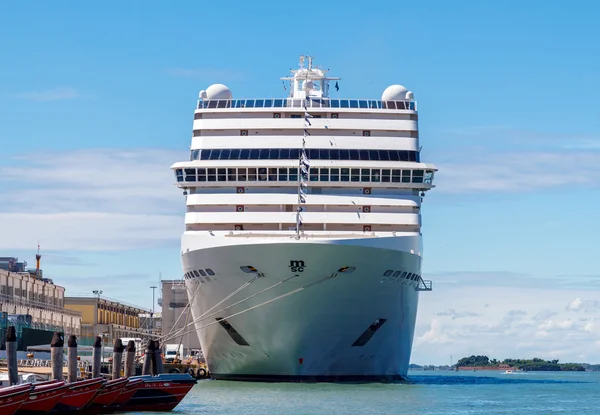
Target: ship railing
x,y
424,285
310,103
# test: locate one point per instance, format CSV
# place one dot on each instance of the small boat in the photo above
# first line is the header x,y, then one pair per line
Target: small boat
x,y
160,393
43,397
131,387
12,397
508,372
78,395
105,396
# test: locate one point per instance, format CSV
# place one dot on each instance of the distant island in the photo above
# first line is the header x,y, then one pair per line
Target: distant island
x,y
529,365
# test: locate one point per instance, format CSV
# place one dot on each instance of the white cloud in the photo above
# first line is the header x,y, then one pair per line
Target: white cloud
x,y
50,94
96,199
517,172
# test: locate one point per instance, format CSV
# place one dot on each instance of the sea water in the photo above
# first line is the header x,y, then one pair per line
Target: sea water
x,y
431,393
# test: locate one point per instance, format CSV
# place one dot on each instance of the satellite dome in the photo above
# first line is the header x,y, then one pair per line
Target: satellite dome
x,y
217,91
396,93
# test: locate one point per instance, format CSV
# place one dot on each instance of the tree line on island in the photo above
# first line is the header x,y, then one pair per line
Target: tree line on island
x,y
535,364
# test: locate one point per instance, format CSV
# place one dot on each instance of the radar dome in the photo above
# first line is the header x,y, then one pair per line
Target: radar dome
x,y
396,93
217,91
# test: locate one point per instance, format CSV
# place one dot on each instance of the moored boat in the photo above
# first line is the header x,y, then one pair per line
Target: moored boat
x,y
132,386
105,396
159,393
43,398
12,397
78,395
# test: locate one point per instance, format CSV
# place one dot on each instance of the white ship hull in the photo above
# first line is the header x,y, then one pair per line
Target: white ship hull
x,y
305,325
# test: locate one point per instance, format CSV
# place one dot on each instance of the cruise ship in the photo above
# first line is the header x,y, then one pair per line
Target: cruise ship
x,y
302,245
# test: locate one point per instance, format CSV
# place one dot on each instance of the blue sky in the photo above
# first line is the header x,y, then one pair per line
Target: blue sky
x,y
96,103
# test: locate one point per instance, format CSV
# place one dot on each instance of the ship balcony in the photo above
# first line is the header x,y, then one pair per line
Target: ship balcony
x,y
344,104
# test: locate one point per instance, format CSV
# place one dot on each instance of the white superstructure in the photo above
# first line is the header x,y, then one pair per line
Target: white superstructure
x,y
302,244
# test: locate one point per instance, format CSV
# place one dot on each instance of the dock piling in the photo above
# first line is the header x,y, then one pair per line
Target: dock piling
x,y
72,358
157,367
130,359
11,354
97,357
57,346
117,358
148,358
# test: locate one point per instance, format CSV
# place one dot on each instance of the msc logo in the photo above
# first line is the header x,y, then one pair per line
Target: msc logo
x,y
297,266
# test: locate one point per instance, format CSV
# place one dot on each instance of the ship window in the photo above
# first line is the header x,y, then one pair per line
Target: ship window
x,y
365,175
405,176
417,176
272,174
241,175
385,175
373,155
222,175
362,104
194,155
353,103
205,155
179,174
428,177
384,155
335,175
249,103
231,175
324,154
262,174
235,154
293,174
295,116
254,153
334,154
201,175
354,175
268,102
259,103
244,154
334,103
210,272
252,175
313,153
248,269
225,153
283,176
396,274
284,153
201,272
375,175
353,155
278,103
388,273
345,175
295,153
324,175
211,175
190,175
344,103
215,154
314,174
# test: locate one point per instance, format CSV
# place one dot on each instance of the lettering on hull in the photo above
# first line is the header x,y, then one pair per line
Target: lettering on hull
x,y
297,266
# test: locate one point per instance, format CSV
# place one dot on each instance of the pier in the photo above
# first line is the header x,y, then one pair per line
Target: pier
x,y
71,386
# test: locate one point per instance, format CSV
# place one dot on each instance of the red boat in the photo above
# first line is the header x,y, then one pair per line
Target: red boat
x,y
105,396
127,392
159,393
12,397
43,397
78,395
